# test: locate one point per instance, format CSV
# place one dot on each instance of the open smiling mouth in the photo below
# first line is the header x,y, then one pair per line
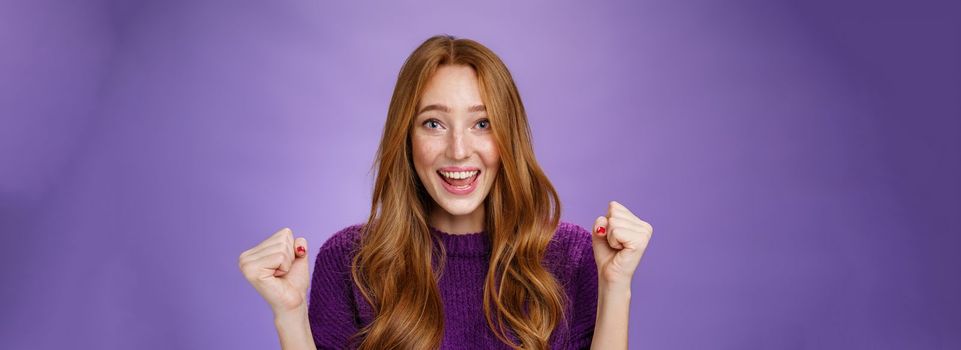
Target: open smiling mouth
x,y
459,182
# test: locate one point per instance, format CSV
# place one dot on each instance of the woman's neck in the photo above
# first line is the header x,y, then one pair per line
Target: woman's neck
x,y
457,224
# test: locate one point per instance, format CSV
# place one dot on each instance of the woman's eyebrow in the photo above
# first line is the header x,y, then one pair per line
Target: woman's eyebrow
x,y
477,108
445,109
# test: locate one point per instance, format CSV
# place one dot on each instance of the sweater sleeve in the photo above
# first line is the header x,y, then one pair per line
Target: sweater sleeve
x,y
585,294
331,309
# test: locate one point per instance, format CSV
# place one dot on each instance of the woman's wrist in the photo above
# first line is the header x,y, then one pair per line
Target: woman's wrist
x,y
293,329
614,288
613,297
296,316
613,314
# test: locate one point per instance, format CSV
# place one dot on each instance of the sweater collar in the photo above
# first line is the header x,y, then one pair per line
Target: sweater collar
x,y
465,244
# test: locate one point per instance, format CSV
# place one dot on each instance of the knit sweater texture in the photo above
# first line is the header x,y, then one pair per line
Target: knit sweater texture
x,y
337,309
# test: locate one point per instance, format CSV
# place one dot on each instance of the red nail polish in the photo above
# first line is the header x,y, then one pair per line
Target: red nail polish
x,y
301,250
601,230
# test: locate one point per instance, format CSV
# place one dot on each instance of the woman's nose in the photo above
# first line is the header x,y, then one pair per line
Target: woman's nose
x,y
459,146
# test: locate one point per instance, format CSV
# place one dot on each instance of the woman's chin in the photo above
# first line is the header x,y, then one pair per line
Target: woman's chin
x,y
459,207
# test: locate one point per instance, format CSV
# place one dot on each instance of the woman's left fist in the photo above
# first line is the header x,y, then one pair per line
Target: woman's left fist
x,y
620,239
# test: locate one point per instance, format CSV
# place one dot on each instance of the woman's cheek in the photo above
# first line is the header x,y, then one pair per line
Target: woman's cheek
x,y
488,150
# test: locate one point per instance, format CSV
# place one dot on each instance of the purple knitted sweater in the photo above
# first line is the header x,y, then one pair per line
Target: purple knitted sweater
x,y
337,310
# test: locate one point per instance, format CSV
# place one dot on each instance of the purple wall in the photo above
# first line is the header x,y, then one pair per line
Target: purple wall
x,y
799,160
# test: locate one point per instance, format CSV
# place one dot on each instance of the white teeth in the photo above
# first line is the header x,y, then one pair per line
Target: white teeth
x,y
459,174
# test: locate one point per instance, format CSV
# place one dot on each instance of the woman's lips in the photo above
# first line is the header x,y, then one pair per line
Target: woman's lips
x,y
460,190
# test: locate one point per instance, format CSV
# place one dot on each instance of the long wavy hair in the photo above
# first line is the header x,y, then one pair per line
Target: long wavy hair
x,y
394,266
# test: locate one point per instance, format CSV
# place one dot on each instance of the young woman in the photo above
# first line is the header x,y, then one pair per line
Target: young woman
x,y
463,247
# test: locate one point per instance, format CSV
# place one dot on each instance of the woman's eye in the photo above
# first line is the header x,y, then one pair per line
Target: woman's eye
x,y
433,124
484,124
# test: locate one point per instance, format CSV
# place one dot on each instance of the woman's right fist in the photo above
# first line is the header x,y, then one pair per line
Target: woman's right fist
x,y
277,268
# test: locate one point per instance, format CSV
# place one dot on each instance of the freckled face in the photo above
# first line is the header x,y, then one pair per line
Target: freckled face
x,y
453,147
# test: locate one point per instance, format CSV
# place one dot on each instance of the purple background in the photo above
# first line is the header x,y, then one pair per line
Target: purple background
x,y
799,160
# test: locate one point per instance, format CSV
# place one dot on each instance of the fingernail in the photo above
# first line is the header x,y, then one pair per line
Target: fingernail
x,y
301,250
601,230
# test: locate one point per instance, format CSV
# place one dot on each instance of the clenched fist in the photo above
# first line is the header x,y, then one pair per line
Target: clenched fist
x,y
277,268
620,239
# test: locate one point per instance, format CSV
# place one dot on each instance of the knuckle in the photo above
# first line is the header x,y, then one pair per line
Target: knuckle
x,y
247,253
247,271
279,233
647,227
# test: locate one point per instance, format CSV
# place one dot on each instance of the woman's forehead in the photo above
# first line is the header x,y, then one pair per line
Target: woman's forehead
x,y
455,87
